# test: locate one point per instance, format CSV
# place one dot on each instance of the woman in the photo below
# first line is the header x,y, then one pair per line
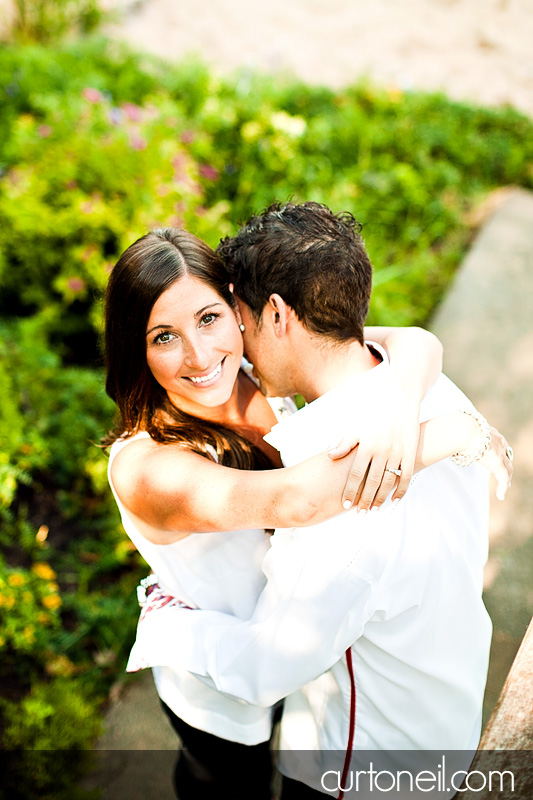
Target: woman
x,y
188,456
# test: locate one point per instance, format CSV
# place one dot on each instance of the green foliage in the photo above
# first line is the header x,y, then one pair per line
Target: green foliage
x,y
35,723
49,414
29,603
45,735
68,573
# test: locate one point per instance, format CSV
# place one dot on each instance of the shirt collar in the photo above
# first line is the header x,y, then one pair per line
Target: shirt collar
x,y
322,423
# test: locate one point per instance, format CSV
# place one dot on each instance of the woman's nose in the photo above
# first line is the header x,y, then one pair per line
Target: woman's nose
x,y
197,356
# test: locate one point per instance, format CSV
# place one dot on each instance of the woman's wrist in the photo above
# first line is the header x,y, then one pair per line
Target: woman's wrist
x,y
479,443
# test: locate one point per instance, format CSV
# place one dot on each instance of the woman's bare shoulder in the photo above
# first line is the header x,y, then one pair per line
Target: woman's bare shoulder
x,y
144,464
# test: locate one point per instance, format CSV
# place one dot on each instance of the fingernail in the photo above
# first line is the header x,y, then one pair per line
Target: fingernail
x,y
374,508
347,504
509,485
362,511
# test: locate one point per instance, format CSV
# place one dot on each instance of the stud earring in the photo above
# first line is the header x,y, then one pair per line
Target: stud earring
x,y
241,327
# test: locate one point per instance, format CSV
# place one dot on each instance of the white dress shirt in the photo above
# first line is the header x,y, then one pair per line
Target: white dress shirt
x,y
372,626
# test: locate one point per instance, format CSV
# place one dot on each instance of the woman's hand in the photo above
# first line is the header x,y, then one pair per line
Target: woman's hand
x,y
499,461
388,441
387,437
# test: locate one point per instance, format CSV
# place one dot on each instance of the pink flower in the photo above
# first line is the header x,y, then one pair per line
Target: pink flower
x,y
76,284
132,112
89,251
208,171
44,131
137,142
188,137
179,161
92,95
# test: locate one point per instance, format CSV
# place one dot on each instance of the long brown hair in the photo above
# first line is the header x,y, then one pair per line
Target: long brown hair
x,y
150,266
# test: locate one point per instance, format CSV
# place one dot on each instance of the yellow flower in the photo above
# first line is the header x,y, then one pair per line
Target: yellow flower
x,y
53,601
251,131
60,665
29,633
43,618
44,571
2,641
293,126
16,579
53,587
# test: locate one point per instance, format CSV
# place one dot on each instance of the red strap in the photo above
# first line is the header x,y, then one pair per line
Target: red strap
x,y
351,732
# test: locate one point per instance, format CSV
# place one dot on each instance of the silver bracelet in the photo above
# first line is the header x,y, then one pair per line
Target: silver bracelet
x,y
467,457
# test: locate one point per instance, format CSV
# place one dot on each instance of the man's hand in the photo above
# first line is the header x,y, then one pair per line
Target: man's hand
x,y
387,441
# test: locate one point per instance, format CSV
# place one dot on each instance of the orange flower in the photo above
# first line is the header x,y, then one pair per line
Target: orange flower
x,y
16,579
52,602
44,571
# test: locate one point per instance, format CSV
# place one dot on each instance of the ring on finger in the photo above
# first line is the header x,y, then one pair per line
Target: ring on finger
x,y
509,452
397,472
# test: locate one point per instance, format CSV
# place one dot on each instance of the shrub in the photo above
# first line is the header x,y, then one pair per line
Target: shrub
x,y
67,573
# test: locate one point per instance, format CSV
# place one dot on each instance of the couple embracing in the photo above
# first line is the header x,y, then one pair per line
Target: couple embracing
x,y
363,609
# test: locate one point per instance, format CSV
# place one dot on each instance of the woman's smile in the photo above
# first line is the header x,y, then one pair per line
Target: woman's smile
x,y
206,380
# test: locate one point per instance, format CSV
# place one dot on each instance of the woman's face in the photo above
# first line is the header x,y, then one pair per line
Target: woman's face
x,y
194,345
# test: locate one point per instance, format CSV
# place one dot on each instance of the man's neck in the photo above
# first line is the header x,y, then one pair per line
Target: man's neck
x,y
326,366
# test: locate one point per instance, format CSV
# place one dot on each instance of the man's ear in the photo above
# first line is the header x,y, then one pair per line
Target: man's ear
x,y
280,314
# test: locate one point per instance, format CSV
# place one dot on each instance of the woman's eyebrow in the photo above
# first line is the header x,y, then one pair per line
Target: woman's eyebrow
x,y
198,314
156,327
211,305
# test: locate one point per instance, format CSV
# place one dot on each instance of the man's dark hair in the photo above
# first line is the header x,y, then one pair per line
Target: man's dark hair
x,y
314,259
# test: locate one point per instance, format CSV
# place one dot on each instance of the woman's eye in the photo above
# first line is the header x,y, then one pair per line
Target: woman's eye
x,y
207,319
162,338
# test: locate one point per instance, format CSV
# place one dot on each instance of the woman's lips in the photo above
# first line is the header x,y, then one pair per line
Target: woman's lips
x,y
204,381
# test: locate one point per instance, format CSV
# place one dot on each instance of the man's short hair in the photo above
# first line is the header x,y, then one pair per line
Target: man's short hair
x,y
314,259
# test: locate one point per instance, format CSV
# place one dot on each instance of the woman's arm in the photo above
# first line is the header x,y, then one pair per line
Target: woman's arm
x,y
461,432
390,434
174,491
415,357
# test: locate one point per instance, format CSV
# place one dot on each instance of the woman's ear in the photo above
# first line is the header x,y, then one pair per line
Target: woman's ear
x,y
231,287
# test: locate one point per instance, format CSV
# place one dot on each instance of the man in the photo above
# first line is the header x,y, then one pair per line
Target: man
x,y
372,626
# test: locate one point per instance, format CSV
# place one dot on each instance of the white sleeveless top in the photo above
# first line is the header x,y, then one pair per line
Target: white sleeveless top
x,y
216,571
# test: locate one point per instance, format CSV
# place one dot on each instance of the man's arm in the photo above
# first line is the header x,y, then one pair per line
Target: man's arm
x,y
314,606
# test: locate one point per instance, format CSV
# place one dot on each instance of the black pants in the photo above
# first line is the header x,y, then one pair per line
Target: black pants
x,y
294,790
210,768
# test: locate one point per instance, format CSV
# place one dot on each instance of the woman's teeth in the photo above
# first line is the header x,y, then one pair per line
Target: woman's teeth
x,y
209,377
